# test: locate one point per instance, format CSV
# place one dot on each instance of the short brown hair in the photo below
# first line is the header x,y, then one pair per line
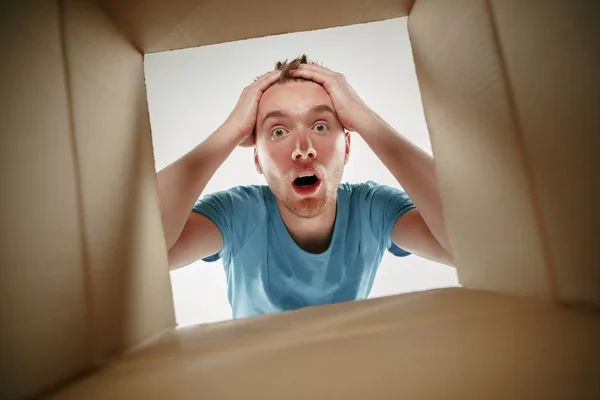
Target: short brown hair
x,y
286,67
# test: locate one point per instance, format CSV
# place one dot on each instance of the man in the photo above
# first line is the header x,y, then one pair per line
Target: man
x,y
305,239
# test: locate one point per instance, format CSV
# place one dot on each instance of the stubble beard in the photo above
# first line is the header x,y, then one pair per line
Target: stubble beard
x,y
309,207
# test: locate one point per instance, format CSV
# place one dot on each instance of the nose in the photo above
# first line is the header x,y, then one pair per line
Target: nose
x,y
304,150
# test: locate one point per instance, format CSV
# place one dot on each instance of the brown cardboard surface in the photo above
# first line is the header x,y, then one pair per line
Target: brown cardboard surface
x,y
511,98
551,51
449,343
154,26
127,254
42,298
83,260
486,195
515,133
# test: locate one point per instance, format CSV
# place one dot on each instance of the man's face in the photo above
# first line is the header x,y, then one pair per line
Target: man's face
x,y
299,135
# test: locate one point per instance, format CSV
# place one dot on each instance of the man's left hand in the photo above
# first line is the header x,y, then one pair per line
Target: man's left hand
x,y
351,110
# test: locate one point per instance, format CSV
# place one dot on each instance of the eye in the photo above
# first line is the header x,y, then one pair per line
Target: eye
x,y
321,127
277,133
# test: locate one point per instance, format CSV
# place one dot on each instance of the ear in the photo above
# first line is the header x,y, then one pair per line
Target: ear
x,y
257,162
347,147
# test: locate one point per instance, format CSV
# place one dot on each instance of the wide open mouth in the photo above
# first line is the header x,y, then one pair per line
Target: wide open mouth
x,y
306,184
305,181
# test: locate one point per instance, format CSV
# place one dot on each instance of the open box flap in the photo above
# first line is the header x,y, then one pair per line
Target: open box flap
x,y
511,94
448,343
154,26
84,271
43,301
511,97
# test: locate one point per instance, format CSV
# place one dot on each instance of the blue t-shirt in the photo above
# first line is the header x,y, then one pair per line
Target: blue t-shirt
x,y
268,272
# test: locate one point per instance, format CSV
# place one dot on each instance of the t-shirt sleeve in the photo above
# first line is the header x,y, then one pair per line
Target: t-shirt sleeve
x,y
236,212
385,205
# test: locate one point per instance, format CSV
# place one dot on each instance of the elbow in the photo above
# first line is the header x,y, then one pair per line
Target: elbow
x,y
444,257
449,261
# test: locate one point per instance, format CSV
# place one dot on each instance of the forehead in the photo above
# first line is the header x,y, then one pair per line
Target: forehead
x,y
295,98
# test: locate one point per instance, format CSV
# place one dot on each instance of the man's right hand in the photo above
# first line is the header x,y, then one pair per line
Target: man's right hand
x,y
188,235
242,119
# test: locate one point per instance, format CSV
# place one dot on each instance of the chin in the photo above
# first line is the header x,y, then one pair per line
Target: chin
x,y
307,205
308,208
312,206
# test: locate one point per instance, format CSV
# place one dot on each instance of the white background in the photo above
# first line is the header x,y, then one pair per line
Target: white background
x,y
191,92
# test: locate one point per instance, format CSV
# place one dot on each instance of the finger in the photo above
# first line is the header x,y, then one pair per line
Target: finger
x,y
263,76
267,80
263,84
313,74
267,75
318,69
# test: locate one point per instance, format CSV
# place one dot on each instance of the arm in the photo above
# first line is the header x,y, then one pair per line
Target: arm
x,y
181,183
422,231
190,236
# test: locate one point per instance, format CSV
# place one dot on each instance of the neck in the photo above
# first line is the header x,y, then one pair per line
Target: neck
x,y
311,234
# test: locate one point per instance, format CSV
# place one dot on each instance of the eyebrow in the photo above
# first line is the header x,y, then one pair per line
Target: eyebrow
x,y
318,109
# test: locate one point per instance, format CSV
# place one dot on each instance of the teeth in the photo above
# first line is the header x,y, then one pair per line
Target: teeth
x,y
305,175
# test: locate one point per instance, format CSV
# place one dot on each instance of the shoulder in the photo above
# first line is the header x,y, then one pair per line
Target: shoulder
x,y
381,203
236,196
381,206
249,192
356,188
368,190
237,212
239,203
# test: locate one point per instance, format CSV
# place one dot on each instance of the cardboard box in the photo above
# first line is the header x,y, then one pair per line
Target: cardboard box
x,y
511,95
